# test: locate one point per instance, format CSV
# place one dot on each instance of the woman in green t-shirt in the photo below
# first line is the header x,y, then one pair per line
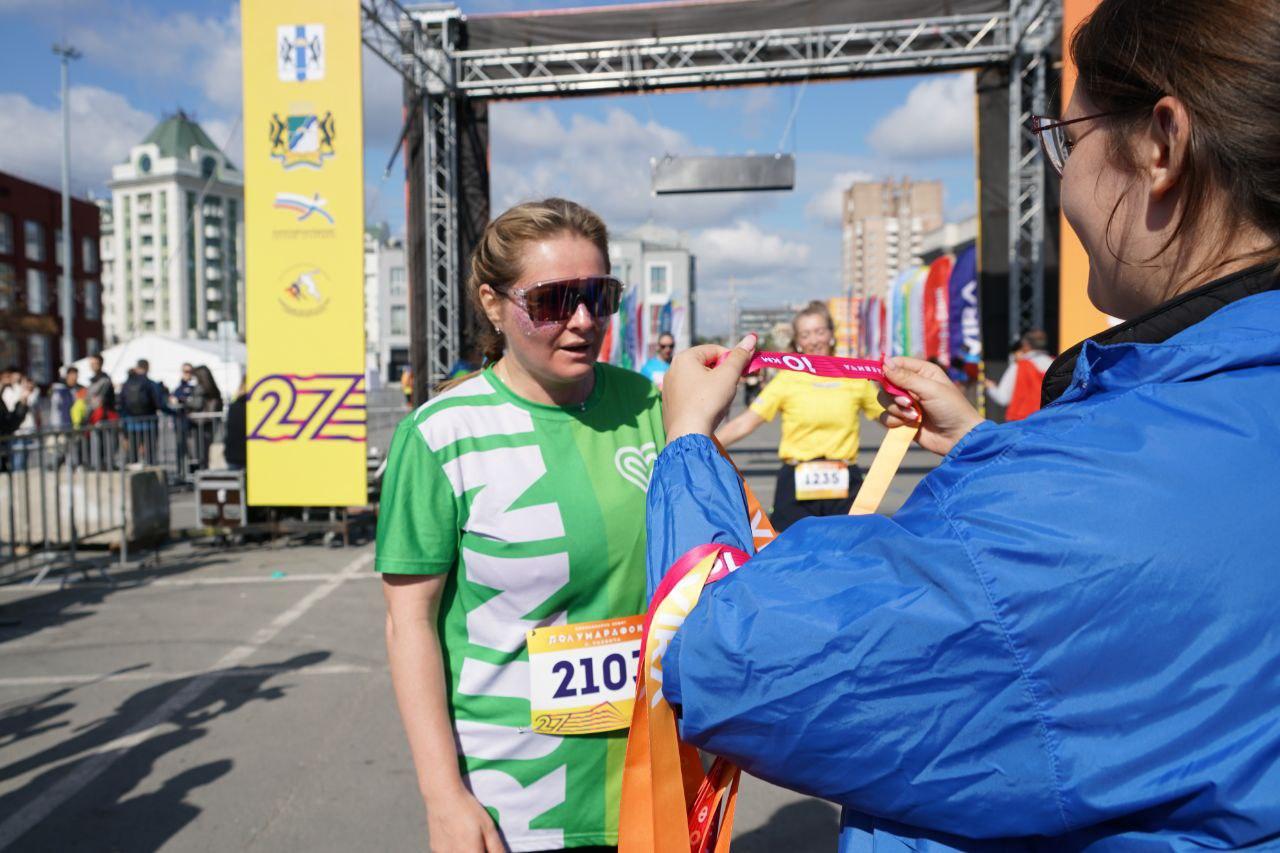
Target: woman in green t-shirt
x,y
515,500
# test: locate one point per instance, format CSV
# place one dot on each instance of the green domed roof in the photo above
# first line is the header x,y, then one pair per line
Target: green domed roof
x,y
176,134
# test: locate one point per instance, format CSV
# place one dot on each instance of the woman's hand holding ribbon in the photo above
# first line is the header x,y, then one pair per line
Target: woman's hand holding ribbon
x,y
947,415
696,392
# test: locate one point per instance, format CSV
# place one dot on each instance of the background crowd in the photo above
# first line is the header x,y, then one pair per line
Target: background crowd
x,y
73,402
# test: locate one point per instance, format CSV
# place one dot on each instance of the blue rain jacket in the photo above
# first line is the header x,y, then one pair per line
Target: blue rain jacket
x,y
1068,638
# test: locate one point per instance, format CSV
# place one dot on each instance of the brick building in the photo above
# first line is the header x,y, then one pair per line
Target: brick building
x,y
31,275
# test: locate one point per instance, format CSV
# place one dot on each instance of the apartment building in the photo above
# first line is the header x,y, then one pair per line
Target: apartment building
x,y
883,225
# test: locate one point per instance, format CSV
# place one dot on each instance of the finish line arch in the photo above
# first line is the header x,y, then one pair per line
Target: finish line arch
x,y
453,65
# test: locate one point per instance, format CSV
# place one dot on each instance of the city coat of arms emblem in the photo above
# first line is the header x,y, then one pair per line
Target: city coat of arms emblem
x,y
302,140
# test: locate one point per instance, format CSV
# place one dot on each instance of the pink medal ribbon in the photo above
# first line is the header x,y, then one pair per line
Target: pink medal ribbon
x,y
833,366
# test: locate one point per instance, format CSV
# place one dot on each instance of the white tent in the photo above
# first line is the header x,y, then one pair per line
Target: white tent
x,y
167,354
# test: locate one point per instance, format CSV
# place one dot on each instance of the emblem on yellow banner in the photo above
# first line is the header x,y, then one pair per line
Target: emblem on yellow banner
x,y
304,291
303,139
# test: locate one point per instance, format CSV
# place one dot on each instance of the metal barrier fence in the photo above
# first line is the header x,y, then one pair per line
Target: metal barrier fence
x,y
63,490
180,444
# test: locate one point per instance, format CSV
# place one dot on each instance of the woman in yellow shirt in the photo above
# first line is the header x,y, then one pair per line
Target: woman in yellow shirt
x,y
819,447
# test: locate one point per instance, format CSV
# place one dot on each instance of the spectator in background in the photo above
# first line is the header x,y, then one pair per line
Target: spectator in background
x,y
235,444
656,367
10,391
100,402
1020,386
178,400
197,392
141,399
470,361
23,389
186,385
80,408
101,399
13,411
406,385
62,396
203,397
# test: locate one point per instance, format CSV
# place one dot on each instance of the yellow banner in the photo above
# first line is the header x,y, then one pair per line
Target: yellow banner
x,y
304,244
1077,318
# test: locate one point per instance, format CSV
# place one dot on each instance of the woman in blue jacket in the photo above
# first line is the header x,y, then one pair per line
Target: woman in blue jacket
x,y
1069,637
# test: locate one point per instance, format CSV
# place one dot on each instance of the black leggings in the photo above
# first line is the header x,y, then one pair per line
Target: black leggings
x,y
787,510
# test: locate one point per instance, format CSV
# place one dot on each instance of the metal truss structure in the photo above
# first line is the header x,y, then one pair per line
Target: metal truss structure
x,y
773,56
1034,24
446,140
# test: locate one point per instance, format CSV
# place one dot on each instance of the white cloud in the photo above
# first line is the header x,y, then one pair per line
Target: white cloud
x,y
744,249
602,162
758,100
756,108
204,51
104,126
936,121
827,206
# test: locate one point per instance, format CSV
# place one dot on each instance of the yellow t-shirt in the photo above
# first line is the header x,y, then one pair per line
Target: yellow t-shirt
x,y
819,414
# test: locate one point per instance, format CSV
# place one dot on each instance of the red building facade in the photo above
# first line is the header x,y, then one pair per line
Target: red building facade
x,y
31,278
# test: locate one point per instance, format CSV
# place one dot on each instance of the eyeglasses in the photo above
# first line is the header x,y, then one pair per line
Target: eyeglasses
x,y
1055,143
666,346
556,301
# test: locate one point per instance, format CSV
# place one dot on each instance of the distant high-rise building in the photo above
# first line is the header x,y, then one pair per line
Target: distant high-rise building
x,y
883,223
177,225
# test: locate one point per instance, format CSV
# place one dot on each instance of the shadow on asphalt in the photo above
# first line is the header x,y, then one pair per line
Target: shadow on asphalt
x,y
812,826
102,815
22,617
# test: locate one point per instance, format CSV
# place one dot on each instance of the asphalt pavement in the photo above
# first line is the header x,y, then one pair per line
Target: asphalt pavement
x,y
227,699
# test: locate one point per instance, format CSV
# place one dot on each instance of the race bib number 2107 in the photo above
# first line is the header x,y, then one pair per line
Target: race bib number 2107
x,y
582,678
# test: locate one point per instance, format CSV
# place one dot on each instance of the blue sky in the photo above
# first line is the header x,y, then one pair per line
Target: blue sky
x,y
144,58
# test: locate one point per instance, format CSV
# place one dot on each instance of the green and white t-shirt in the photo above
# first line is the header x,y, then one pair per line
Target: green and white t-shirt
x,y
538,515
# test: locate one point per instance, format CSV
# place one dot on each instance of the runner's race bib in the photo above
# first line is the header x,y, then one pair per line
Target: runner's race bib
x,y
822,479
582,678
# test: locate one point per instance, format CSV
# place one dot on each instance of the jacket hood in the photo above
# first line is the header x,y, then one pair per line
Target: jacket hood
x,y
1239,336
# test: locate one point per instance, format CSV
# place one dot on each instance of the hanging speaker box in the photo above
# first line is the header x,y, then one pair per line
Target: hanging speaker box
x,y
751,173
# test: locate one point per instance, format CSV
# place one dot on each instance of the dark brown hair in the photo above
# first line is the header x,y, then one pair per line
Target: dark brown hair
x,y
1221,59
498,260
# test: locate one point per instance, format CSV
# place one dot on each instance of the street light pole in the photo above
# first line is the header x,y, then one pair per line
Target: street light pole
x,y
67,300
